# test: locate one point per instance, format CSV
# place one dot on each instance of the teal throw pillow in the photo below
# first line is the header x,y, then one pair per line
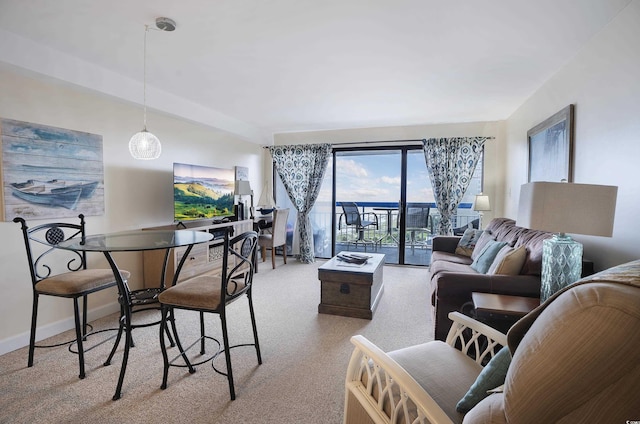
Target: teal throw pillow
x,y
481,243
491,376
484,260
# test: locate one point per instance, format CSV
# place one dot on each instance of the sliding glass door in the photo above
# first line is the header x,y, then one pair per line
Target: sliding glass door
x,y
419,210
391,189
370,181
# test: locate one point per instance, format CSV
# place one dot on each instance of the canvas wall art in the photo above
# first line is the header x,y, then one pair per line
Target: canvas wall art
x,y
551,148
50,172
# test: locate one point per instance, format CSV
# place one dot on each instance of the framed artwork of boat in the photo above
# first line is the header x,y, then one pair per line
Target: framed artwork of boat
x,y
50,172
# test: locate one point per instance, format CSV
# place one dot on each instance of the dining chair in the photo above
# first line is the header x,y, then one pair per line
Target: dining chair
x,y
62,273
213,294
276,238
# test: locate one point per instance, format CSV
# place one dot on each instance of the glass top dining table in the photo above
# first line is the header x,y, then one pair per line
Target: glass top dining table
x,y
129,241
132,241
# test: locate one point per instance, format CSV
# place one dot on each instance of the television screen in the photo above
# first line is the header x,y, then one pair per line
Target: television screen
x,y
202,192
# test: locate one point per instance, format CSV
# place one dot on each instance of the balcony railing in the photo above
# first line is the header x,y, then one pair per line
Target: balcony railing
x,y
387,234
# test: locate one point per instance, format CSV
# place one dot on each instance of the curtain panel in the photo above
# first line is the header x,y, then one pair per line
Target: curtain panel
x,y
451,163
301,168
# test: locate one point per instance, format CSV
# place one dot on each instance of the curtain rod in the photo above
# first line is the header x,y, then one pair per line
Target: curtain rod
x,y
369,142
383,142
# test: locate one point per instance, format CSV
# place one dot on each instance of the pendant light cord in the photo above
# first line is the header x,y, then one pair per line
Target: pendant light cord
x,y
144,79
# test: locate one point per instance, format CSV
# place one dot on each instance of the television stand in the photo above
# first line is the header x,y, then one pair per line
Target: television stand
x,y
205,258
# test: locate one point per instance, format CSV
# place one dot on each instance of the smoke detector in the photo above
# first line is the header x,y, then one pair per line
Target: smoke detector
x,y
165,24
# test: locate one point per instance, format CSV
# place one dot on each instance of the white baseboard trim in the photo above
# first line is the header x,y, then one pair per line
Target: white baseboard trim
x,y
21,340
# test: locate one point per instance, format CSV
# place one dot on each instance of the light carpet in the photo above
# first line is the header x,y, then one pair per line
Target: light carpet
x,y
305,356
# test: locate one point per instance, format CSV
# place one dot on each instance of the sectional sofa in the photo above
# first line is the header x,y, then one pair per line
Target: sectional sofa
x,y
452,278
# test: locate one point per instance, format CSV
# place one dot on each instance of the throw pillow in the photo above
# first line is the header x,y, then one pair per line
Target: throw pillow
x,y
468,241
491,376
488,254
508,261
482,241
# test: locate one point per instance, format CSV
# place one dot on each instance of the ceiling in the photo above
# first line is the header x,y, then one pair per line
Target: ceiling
x,y
258,67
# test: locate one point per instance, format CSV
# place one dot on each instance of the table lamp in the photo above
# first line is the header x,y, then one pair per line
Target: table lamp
x,y
481,204
243,188
565,208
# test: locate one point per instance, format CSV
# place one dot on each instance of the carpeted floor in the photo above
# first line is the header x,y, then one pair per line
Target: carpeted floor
x,y
301,380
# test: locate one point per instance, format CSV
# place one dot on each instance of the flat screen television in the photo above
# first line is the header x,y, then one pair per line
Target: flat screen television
x,y
202,192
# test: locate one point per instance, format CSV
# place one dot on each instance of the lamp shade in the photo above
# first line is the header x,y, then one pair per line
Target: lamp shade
x,y
243,188
144,145
481,203
568,208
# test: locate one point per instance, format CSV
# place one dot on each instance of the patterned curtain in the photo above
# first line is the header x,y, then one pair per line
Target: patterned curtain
x,y
301,168
451,162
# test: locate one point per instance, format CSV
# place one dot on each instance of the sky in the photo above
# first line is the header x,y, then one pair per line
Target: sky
x,y
375,177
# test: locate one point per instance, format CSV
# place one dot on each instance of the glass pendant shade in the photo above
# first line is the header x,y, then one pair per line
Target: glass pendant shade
x,y
145,146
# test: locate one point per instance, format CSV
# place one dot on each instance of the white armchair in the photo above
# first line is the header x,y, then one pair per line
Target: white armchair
x,y
381,388
574,359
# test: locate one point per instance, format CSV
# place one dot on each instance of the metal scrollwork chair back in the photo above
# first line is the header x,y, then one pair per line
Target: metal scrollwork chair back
x,y
62,273
213,294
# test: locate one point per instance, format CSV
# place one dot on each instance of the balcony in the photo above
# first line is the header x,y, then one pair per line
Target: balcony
x,y
386,237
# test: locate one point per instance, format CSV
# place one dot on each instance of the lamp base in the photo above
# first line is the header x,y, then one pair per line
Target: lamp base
x,y
561,264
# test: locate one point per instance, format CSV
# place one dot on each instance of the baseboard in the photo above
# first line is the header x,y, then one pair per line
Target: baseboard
x,y
21,340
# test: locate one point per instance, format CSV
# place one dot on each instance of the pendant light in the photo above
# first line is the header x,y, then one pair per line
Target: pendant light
x,y
144,145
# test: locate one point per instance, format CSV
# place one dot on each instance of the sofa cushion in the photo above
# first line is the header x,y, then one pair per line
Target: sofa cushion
x,y
489,410
508,261
439,255
468,241
584,340
491,376
454,267
505,229
445,373
532,240
486,257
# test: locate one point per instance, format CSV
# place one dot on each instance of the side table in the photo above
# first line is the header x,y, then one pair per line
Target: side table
x,y
501,311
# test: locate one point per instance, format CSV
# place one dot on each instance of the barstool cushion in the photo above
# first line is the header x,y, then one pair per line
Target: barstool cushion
x,y
202,293
70,283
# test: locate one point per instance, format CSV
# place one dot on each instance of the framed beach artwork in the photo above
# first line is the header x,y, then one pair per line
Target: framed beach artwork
x,y
50,172
551,148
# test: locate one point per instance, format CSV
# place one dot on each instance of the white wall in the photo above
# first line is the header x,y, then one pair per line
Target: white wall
x,y
603,81
138,194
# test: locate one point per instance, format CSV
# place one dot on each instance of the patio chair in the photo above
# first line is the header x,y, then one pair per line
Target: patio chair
x,y
418,221
354,218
